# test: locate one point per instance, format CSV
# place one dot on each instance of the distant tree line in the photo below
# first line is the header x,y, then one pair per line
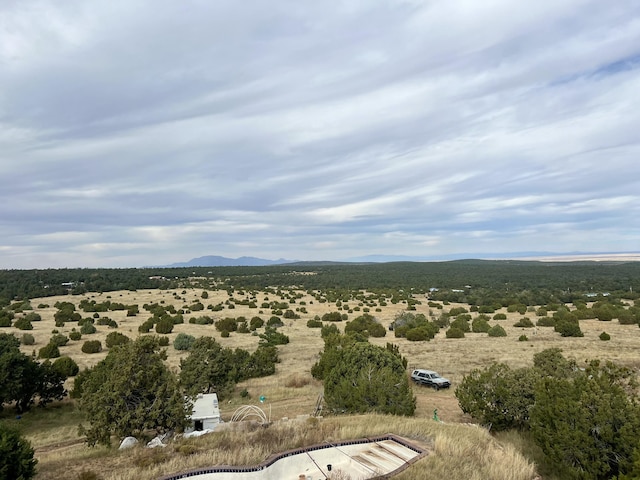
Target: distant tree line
x,y
475,282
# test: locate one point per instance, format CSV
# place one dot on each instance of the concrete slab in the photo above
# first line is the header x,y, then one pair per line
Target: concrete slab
x,y
356,459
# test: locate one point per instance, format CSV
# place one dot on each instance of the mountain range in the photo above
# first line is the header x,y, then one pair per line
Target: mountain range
x,y
219,261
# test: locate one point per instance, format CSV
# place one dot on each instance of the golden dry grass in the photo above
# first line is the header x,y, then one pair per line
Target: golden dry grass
x,y
456,451
293,392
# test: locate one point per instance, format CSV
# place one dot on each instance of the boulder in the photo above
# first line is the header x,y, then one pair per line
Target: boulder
x,y
128,442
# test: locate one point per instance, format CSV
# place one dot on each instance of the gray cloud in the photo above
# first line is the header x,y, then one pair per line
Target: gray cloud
x,y
137,133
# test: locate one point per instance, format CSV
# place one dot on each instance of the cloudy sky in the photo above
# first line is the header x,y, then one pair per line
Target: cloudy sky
x,y
138,132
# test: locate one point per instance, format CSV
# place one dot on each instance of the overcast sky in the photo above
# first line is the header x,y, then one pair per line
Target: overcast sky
x,y
149,132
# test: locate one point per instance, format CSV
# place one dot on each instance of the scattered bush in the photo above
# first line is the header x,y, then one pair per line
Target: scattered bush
x,y
604,336
23,324
500,316
202,320
75,335
454,332
164,326
227,324
524,322
33,317
92,346
523,338
66,367
116,338
332,317
50,350
546,322
163,341
480,325
568,328
275,322
28,339
461,323
272,337
87,329
497,331
183,341
59,339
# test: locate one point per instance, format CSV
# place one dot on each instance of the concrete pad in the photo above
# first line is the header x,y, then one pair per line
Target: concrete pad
x,y
357,460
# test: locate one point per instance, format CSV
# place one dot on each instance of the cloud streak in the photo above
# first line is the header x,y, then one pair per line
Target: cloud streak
x,y
140,133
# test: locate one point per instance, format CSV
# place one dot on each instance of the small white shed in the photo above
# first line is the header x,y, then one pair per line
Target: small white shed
x,y
206,414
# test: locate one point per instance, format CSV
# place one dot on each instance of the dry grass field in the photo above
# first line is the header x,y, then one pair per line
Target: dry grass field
x,y
292,392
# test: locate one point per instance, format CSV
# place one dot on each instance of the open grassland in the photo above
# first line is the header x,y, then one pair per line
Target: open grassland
x,y
292,391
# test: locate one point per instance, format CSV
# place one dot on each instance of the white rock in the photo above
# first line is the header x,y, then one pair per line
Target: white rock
x,y
156,442
128,442
197,433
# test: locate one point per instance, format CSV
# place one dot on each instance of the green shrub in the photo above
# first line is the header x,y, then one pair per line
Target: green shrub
x,y
497,331
23,324
454,332
225,334
50,350
272,337
146,326
275,322
183,341
227,324
523,338
28,339
500,316
243,327
59,339
163,341
524,322
87,329
480,325
16,455
75,335
314,323
568,328
164,326
604,336
461,323
108,322
33,317
92,346
329,329
202,320
332,317
546,322
66,367
418,334
498,396
116,338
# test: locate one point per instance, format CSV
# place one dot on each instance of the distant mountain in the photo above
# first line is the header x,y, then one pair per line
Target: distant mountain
x,y
217,261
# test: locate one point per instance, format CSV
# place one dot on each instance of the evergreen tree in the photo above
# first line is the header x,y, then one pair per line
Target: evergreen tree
x,y
16,455
130,391
368,378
